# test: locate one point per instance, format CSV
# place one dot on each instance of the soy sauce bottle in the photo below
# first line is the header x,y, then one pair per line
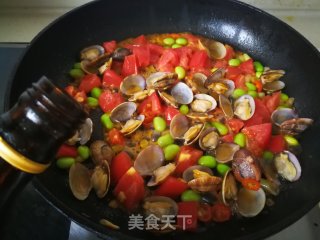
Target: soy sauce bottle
x,y
31,133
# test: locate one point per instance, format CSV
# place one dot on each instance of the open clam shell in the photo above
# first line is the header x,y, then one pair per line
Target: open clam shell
x,y
188,174
160,174
100,179
244,107
197,83
132,84
193,133
92,52
226,106
123,112
250,203
275,86
161,80
283,114
271,76
226,151
209,139
148,160
120,53
182,93
229,188
288,166
79,181
100,152
167,98
160,206
132,125
203,103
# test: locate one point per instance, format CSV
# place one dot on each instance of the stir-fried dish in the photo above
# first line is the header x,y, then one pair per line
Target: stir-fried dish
x,y
189,126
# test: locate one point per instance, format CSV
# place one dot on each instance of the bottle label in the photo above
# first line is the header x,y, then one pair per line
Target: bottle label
x,y
19,161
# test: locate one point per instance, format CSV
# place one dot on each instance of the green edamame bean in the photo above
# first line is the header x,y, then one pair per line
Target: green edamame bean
x,y
92,102
238,92
77,65
76,73
184,109
251,86
253,94
159,124
234,62
258,66
168,41
165,140
268,155
222,168
180,71
222,129
96,92
190,195
65,162
171,151
291,141
106,121
207,161
246,57
258,74
182,41
176,45
240,139
84,152
284,97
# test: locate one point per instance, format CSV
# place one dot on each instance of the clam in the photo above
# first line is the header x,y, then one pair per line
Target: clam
x,y
120,53
203,181
182,93
167,98
98,65
226,151
275,86
188,174
193,133
245,166
269,170
161,80
100,152
250,203
148,160
288,166
226,106
199,117
197,83
160,206
100,179
160,174
203,103
92,52
271,76
215,49
132,125
229,188
123,112
209,139
84,133
178,126
215,76
295,126
139,96
132,84
79,181
283,114
270,187
244,107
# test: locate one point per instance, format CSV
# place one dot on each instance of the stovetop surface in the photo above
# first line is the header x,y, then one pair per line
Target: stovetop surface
x,y
32,217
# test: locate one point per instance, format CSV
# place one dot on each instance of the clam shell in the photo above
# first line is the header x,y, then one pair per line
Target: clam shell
x,y
204,184
250,203
179,126
92,52
160,174
283,114
244,107
123,112
100,179
132,125
182,93
133,84
148,160
288,166
161,80
203,103
229,188
209,139
226,106
188,174
101,151
166,97
160,206
273,86
193,133
226,151
79,181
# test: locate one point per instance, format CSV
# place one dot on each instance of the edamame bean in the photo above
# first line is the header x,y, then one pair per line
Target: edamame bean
x,y
182,41
168,41
190,195
222,168
253,94
284,97
258,74
171,151
251,86
238,92
180,71
96,92
207,161
65,162
291,141
76,73
184,109
84,152
240,139
159,124
267,155
176,45
258,66
92,102
77,65
165,140
234,62
106,121
222,129
246,57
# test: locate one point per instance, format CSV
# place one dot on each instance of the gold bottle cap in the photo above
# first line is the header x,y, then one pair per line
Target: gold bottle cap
x,y
19,161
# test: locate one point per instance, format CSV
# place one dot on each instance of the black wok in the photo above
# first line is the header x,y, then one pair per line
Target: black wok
x,y
53,52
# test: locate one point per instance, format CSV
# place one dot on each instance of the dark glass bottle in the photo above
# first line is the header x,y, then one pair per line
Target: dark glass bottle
x,y
31,133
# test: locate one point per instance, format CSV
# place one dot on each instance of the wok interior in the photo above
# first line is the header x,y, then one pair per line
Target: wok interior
x,y
263,37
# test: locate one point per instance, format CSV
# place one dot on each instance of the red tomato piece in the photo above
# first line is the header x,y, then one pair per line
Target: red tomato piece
x,y
261,114
185,54
155,52
172,187
258,137
235,124
168,60
88,82
258,84
67,151
71,90
187,157
140,40
109,46
130,189
272,101
111,79
199,59
109,100
220,63
80,96
169,113
143,55
230,53
150,107
187,218
115,137
220,212
247,67
130,65
235,74
251,184
277,144
228,138
120,164
204,213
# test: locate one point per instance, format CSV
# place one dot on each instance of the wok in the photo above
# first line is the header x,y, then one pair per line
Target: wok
x,y
55,49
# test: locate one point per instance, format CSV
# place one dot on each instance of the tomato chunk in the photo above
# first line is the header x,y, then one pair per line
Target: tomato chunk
x,y
115,137
187,157
220,212
130,189
109,46
199,59
88,82
130,65
261,114
150,107
172,187
67,151
168,60
143,55
111,79
169,113
109,100
120,164
235,124
187,216
247,67
277,144
272,101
